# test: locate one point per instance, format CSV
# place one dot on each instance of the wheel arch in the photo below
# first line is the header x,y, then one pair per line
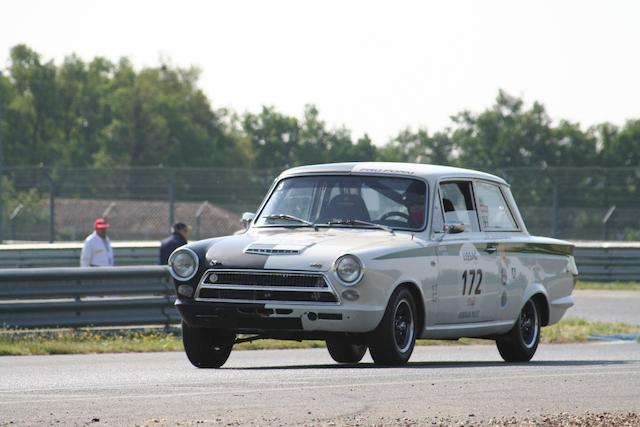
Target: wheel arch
x,y
419,301
542,303
538,293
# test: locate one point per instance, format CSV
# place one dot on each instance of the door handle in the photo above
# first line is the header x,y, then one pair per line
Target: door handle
x,y
490,249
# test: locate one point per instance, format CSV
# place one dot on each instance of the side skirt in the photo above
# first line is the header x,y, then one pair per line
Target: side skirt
x,y
467,330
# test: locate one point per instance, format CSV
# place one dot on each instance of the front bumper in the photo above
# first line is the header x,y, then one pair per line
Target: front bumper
x,y
264,318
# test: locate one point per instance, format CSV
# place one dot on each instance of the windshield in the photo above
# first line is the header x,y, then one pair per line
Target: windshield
x,y
346,201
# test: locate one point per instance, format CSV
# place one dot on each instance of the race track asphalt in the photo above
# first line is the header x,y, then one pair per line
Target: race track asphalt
x,y
294,387
606,306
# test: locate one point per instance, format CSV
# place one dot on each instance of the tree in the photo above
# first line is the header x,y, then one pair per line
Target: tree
x,y
508,135
32,110
419,147
274,138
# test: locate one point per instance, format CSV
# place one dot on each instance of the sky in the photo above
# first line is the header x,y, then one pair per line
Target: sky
x,y
373,67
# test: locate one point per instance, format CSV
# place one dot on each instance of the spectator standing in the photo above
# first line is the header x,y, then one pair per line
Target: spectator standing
x,y
97,250
178,238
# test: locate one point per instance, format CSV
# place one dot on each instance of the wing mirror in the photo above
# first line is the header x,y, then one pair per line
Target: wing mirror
x,y
453,227
247,219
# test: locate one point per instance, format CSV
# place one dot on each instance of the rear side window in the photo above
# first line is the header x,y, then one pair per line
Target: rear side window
x,y
457,203
493,210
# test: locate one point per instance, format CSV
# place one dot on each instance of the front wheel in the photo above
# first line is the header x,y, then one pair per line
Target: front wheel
x,y
521,342
344,351
393,340
205,347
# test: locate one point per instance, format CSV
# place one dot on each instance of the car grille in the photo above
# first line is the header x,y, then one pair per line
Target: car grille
x,y
265,286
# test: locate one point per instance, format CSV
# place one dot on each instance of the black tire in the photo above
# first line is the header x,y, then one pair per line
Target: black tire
x,y
344,351
521,342
392,342
207,348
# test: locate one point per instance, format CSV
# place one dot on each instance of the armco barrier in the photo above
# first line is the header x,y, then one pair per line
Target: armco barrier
x,y
37,255
608,261
144,295
597,261
75,297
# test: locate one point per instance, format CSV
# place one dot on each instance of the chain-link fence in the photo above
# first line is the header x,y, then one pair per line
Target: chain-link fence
x,y
578,203
42,204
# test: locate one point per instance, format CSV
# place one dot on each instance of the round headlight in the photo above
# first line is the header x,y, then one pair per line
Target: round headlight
x,y
348,269
183,263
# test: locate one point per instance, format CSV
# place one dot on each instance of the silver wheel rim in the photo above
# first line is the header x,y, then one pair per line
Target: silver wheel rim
x,y
403,326
529,325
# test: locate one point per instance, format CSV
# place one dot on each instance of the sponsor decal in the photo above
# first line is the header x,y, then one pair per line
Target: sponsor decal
x,y
396,171
503,276
469,253
503,299
469,314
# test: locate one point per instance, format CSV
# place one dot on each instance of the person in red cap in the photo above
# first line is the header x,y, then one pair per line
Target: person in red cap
x,y
96,250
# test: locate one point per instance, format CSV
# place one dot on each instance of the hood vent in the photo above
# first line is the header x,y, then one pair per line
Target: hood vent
x,y
263,249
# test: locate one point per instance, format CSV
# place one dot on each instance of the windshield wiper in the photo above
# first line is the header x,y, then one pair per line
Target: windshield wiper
x,y
360,222
288,217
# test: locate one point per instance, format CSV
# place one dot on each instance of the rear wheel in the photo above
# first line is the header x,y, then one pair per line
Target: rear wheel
x,y
521,343
205,347
393,340
344,351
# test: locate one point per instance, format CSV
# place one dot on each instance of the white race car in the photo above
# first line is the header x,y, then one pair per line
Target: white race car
x,y
375,255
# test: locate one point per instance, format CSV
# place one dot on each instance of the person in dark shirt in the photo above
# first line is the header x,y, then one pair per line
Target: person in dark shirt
x,y
178,238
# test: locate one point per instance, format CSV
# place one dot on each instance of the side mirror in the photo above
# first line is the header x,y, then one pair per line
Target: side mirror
x,y
453,227
247,219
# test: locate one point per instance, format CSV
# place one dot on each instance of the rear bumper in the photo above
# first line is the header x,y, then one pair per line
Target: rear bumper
x,y
558,307
261,318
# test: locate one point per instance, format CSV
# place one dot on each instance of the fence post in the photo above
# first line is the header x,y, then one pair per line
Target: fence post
x,y
12,219
52,207
556,209
172,196
199,213
1,169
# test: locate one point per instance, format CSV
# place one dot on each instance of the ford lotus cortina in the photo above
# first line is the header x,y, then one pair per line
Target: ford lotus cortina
x,y
374,256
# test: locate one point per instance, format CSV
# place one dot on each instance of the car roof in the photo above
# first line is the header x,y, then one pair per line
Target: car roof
x,y
424,171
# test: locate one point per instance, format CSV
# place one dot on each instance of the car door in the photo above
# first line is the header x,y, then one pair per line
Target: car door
x,y
501,229
468,278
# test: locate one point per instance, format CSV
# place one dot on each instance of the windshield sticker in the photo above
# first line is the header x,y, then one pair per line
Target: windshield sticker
x,y
387,171
483,212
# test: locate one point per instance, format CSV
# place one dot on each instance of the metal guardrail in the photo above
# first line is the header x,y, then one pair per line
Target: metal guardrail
x,y
144,295
38,255
608,261
597,261
76,297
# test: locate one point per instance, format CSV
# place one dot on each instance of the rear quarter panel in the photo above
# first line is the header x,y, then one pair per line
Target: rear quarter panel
x,y
535,265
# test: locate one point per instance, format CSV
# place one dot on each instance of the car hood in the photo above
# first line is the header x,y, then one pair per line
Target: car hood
x,y
295,249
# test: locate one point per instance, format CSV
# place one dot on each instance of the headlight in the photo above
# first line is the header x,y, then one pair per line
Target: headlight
x,y
183,263
348,268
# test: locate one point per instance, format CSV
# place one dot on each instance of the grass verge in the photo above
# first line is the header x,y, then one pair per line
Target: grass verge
x,y
153,340
608,286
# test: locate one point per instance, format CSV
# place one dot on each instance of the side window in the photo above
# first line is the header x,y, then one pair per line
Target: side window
x,y
493,211
457,202
438,218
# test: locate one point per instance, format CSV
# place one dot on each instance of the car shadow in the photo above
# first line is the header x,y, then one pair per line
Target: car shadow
x,y
441,364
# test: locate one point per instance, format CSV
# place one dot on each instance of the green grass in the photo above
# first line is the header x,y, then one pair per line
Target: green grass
x,y
608,286
76,342
85,341
578,330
